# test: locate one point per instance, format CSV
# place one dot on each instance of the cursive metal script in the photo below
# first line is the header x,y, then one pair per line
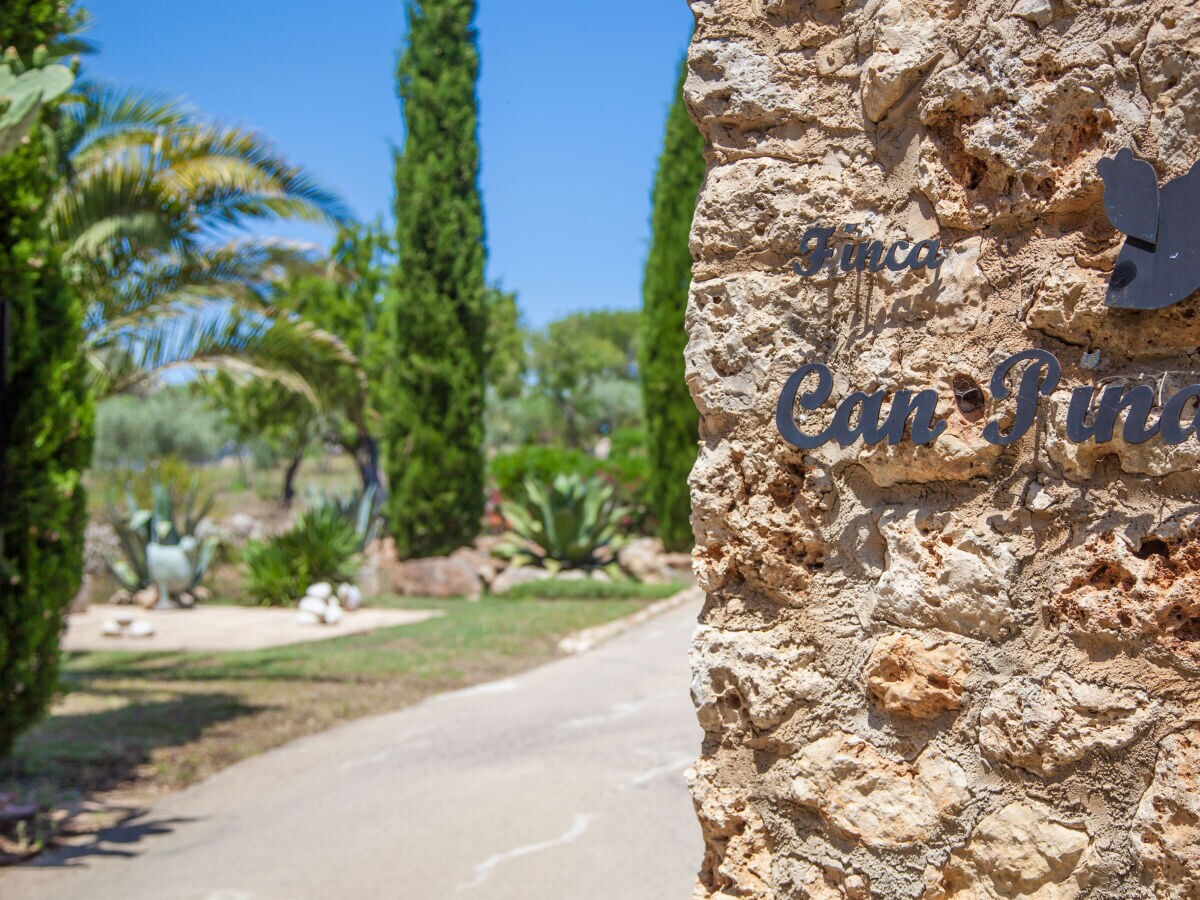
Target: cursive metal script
x,y
862,415
817,248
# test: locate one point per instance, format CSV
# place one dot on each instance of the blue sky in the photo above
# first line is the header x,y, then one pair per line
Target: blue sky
x,y
573,99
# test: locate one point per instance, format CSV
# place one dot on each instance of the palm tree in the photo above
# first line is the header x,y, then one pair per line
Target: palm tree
x,y
153,217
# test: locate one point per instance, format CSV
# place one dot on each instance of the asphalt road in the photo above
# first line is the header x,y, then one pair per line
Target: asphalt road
x,y
565,783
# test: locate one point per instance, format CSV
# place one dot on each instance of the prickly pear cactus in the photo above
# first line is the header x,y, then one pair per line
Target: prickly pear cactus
x,y
22,95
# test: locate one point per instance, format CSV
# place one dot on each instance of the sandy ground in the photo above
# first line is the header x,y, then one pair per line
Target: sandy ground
x,y
206,628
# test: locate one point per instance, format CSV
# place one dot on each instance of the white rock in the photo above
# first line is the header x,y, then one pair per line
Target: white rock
x,y
1040,12
314,606
111,628
141,629
322,590
941,574
1037,498
333,614
350,596
304,617
124,619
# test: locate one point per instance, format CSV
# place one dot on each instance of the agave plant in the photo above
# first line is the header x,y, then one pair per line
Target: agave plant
x,y
360,510
145,533
568,522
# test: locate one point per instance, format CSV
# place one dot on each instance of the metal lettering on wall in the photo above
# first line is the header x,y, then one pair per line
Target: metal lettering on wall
x,y
861,415
817,248
1159,265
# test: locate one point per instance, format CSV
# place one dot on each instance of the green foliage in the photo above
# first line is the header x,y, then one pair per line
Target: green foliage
x,y
591,589
571,519
626,468
132,432
359,509
671,418
541,464
45,413
23,93
169,520
579,363
146,219
321,546
504,344
434,394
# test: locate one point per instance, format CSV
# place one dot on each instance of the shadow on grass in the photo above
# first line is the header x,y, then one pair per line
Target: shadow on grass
x,y
103,749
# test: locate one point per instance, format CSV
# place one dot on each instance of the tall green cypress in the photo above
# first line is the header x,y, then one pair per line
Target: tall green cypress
x,y
45,414
433,415
671,417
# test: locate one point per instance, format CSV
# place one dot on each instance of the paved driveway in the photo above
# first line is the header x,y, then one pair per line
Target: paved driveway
x,y
565,783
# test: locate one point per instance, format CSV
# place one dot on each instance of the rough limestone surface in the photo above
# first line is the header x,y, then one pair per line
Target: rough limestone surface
x,y
960,669
1166,830
907,678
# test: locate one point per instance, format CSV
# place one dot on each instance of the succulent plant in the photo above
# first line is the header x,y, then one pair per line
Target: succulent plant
x,y
321,546
24,92
565,523
159,544
361,510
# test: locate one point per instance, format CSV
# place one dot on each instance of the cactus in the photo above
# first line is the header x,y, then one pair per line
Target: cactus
x,y
24,92
160,547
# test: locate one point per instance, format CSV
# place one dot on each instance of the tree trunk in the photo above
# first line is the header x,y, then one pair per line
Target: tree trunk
x,y
289,479
366,456
965,668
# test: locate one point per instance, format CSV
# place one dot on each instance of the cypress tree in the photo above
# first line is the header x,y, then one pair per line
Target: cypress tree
x,y
671,417
433,415
45,414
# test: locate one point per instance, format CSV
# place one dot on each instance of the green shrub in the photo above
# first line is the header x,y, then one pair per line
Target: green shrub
x,y
572,519
626,468
360,509
591,589
541,464
321,546
46,410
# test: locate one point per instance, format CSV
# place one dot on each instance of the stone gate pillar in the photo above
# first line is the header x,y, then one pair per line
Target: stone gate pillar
x,y
963,668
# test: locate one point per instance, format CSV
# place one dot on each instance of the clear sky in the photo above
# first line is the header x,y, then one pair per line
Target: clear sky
x,y
573,101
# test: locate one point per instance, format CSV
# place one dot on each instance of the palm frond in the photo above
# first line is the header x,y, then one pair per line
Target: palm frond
x,y
290,352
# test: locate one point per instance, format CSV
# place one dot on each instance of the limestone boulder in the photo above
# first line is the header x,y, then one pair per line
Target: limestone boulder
x,y
1019,852
437,577
864,796
1044,727
644,559
907,678
1166,827
515,575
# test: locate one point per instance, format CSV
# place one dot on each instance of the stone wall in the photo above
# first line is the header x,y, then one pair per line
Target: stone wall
x,y
959,670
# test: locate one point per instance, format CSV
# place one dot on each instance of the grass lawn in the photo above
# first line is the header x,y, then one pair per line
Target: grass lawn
x,y
152,721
